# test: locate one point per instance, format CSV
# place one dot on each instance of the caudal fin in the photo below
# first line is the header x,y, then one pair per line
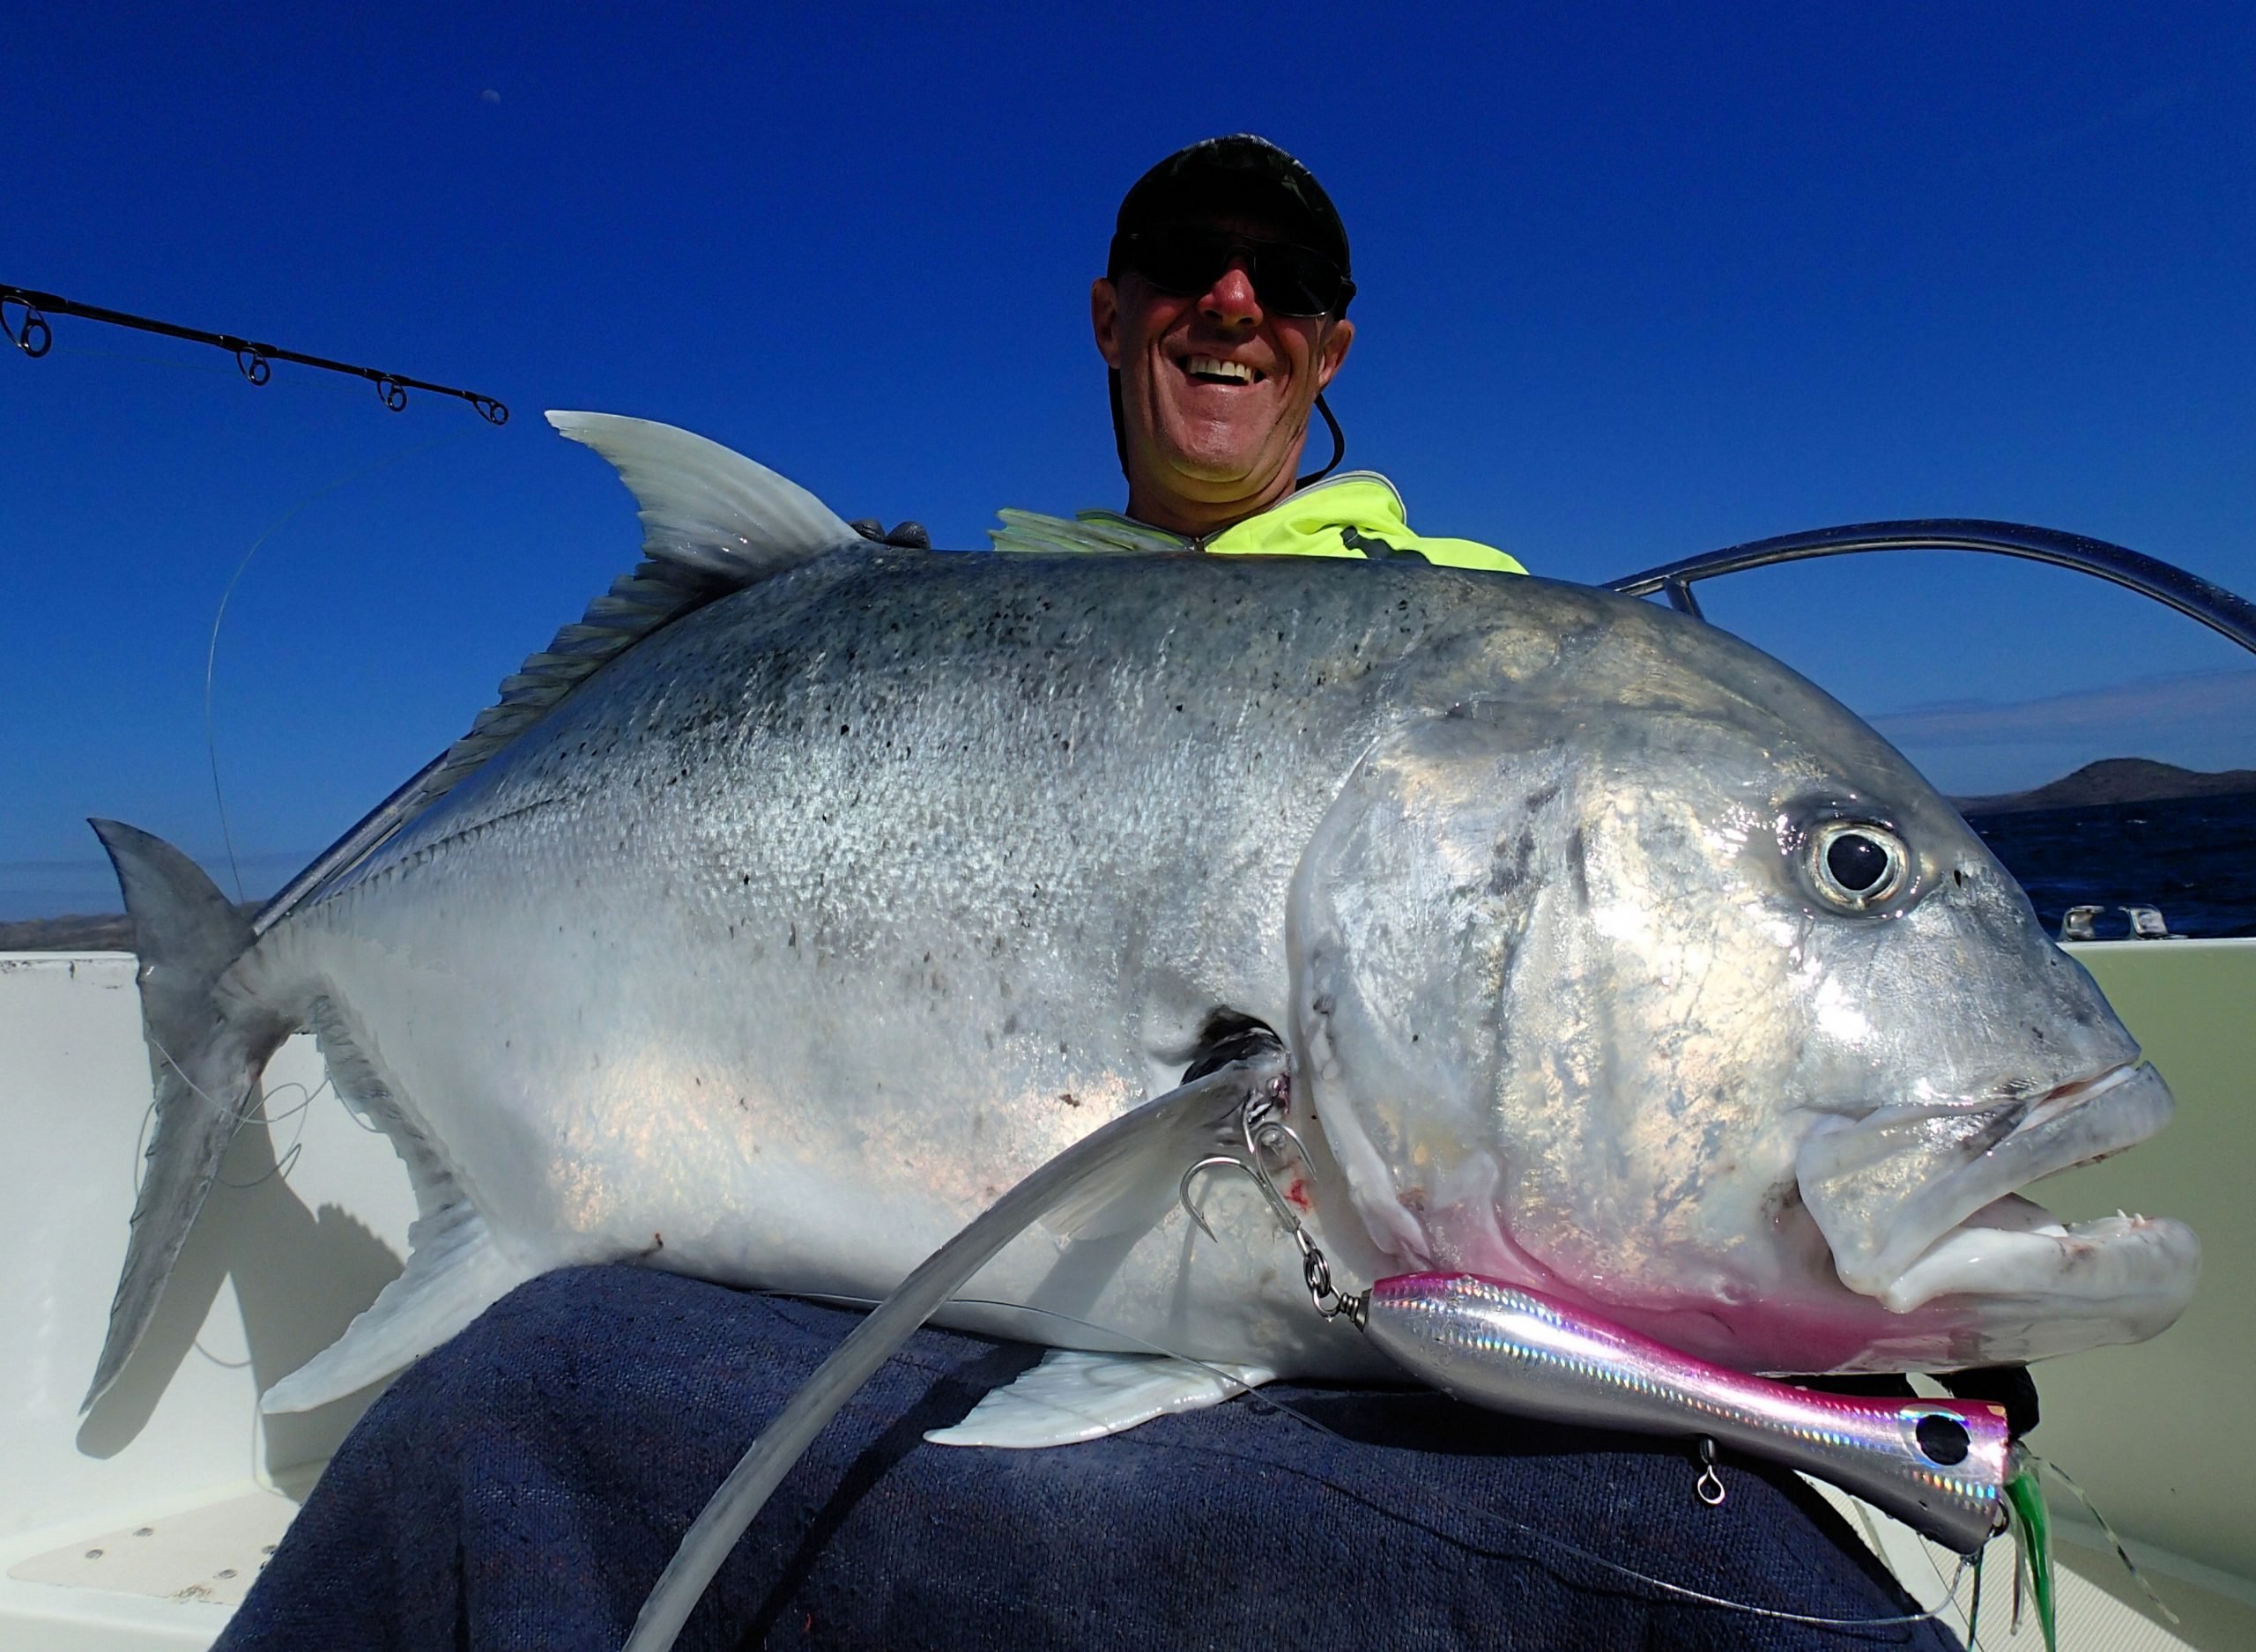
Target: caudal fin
x,y
205,1054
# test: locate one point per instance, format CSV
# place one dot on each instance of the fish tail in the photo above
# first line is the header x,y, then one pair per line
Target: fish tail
x,y
206,1049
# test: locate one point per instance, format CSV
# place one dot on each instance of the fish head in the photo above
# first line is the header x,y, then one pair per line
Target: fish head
x,y
1702,1008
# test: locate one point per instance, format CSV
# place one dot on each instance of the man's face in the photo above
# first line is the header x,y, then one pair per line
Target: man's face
x,y
1215,390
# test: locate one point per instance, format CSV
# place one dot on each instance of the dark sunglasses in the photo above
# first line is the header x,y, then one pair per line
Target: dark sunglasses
x,y
1186,260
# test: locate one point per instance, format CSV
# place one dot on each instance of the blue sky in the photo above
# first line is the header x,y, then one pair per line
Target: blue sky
x,y
1634,283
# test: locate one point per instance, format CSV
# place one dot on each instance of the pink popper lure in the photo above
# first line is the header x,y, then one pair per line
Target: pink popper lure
x,y
1939,1466
1950,1470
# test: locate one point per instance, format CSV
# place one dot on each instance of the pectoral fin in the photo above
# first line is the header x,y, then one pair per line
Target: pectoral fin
x,y
1072,1397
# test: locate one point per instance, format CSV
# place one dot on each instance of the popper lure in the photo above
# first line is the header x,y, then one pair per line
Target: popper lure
x,y
1939,1466
1950,1470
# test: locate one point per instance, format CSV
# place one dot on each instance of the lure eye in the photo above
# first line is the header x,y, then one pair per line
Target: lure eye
x,y
1857,865
1942,1439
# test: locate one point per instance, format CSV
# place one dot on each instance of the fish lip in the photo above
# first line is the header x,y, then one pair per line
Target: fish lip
x,y
1953,1160
2142,1267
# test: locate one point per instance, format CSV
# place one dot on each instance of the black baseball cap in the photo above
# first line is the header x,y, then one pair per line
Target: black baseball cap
x,y
1239,174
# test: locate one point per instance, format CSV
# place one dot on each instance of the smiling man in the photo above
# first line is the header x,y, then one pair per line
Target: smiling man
x,y
1222,315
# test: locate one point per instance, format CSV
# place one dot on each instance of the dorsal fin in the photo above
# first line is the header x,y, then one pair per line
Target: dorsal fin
x,y
713,523
705,506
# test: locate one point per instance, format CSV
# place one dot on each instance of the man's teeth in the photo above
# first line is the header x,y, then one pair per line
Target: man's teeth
x,y
1209,367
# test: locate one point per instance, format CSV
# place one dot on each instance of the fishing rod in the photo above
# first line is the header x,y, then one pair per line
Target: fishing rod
x,y
32,334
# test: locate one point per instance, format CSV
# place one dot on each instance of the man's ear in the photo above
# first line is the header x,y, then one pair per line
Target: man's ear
x,y
1104,318
1334,350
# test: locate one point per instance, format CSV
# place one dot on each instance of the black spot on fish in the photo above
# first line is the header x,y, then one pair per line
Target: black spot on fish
x,y
1506,877
1578,866
1069,1097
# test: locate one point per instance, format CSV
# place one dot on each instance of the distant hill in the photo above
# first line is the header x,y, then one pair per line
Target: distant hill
x,y
2115,780
102,932
112,932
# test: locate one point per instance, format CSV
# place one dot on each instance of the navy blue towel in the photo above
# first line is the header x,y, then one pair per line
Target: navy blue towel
x,y
520,1488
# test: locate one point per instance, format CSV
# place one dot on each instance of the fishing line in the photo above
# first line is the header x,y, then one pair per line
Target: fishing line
x,y
287,1160
225,1365
309,1097
212,650
281,1167
1972,1610
255,1113
2121,1553
1474,1509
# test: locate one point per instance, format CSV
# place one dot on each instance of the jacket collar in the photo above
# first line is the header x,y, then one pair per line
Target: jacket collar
x,y
1358,498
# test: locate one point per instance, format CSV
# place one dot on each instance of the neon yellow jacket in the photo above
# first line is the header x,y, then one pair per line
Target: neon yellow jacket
x,y
1357,514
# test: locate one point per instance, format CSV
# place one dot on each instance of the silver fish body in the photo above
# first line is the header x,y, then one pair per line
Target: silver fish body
x,y
781,944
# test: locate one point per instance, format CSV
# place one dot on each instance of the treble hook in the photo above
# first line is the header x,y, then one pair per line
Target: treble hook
x,y
1265,1135
1286,1217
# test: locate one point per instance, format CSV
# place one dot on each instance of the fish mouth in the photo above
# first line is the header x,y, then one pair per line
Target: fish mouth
x,y
1922,1201
2015,1247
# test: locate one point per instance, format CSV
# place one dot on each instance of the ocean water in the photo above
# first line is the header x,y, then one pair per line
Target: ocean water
x,y
2194,858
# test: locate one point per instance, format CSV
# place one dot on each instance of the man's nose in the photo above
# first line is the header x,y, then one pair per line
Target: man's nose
x,y
1231,301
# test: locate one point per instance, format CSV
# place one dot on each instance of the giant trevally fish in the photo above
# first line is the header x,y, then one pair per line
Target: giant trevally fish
x,y
809,893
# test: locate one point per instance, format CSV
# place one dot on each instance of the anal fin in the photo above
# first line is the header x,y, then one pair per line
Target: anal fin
x,y
1074,1396
455,1272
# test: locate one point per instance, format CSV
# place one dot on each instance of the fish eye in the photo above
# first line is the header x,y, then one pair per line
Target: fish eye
x,y
1857,864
